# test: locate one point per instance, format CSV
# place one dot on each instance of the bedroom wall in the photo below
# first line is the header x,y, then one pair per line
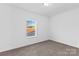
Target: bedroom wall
x,y
64,28
13,26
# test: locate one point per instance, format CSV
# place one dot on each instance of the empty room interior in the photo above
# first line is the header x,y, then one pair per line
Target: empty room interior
x,y
39,29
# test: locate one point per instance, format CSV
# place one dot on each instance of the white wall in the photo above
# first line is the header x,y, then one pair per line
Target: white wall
x,y
13,25
64,28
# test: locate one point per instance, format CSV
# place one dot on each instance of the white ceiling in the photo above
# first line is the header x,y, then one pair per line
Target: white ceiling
x,y
51,10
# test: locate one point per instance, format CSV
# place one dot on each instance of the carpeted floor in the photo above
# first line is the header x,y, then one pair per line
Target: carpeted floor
x,y
47,48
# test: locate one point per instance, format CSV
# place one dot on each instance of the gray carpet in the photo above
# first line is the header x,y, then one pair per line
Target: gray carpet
x,y
47,48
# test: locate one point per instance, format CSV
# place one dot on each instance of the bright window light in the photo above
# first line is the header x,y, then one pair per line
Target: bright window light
x,y
46,4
